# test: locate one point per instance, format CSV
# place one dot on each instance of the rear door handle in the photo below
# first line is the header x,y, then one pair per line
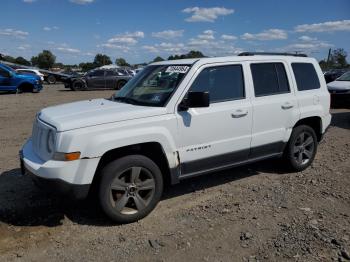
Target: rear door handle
x,y
287,105
239,113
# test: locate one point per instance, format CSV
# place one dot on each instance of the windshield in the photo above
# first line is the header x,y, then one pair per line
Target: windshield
x,y
345,77
153,86
9,68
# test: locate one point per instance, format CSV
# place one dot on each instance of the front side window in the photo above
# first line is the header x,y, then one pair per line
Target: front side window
x,y
3,73
344,77
306,76
269,79
224,83
111,73
97,73
153,86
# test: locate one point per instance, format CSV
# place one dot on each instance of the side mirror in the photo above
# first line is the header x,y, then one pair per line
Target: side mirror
x,y
195,99
9,74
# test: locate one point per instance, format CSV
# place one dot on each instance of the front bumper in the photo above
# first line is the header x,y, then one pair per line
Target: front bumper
x,y
72,178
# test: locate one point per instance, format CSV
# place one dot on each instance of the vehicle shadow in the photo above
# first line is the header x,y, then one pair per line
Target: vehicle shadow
x,y
23,204
341,119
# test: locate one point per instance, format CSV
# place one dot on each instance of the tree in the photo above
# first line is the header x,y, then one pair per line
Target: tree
x,y
191,54
338,58
101,60
22,61
44,60
87,66
8,58
121,62
158,59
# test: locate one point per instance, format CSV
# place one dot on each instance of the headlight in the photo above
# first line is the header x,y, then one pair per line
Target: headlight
x,y
37,81
51,141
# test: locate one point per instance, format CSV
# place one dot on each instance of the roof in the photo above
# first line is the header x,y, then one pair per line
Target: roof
x,y
208,60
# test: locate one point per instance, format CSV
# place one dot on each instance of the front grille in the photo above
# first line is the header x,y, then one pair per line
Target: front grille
x,y
39,139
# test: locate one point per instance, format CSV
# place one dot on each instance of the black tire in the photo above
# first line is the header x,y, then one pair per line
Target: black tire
x,y
51,79
301,149
130,188
78,85
120,84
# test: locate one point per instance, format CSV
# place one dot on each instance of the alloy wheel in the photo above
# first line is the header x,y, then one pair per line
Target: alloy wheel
x,y
132,190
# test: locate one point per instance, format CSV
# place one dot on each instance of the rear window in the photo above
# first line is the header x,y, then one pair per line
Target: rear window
x,y
306,76
269,79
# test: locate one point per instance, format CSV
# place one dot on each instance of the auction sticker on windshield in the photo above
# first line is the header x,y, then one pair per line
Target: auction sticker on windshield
x,y
177,69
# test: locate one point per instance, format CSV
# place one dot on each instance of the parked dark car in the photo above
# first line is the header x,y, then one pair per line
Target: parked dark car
x,y
98,79
333,74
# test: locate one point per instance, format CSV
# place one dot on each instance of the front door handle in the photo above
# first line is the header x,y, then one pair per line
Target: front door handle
x,y
239,113
287,106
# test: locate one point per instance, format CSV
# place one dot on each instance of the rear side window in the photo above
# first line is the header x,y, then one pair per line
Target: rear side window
x,y
224,83
269,79
306,76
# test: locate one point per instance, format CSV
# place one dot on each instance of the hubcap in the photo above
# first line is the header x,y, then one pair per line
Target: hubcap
x,y
132,190
303,148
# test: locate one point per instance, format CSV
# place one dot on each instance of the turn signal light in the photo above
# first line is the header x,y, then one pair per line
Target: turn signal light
x,y
66,156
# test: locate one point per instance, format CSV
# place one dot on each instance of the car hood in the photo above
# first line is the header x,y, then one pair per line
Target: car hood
x,y
94,112
28,76
338,85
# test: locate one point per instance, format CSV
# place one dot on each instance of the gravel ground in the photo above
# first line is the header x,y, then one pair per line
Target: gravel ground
x,y
253,213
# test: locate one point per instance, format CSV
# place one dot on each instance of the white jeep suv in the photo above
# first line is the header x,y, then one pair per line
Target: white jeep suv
x,y
178,119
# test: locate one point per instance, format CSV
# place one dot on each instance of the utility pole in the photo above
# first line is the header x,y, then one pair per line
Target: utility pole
x,y
329,57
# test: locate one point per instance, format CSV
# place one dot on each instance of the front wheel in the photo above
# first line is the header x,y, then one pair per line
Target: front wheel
x,y
130,188
301,149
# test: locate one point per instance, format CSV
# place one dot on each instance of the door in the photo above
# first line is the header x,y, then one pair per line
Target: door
x,y
96,79
111,79
219,135
5,81
275,108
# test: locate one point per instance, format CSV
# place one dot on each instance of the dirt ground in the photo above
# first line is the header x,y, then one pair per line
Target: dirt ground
x,y
252,213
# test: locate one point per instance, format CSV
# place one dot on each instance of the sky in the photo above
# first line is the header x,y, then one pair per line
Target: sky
x,y
76,30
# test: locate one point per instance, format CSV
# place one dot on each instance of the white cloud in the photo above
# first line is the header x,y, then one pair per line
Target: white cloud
x,y
168,34
166,47
13,33
200,14
271,34
207,35
343,25
228,37
68,50
82,2
29,1
127,38
23,47
122,48
47,28
306,47
150,48
306,38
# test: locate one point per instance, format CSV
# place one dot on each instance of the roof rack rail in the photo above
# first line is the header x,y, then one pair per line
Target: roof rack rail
x,y
267,53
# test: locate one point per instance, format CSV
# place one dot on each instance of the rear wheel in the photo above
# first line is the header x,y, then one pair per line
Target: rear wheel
x,y
120,84
51,79
301,148
130,188
78,85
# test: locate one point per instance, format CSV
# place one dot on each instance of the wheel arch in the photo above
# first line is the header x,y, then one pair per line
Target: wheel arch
x,y
25,86
152,150
315,122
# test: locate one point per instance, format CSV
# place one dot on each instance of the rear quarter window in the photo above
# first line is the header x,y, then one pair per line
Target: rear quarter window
x,y
306,76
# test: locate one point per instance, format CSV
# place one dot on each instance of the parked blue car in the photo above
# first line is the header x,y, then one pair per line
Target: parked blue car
x,y
10,80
